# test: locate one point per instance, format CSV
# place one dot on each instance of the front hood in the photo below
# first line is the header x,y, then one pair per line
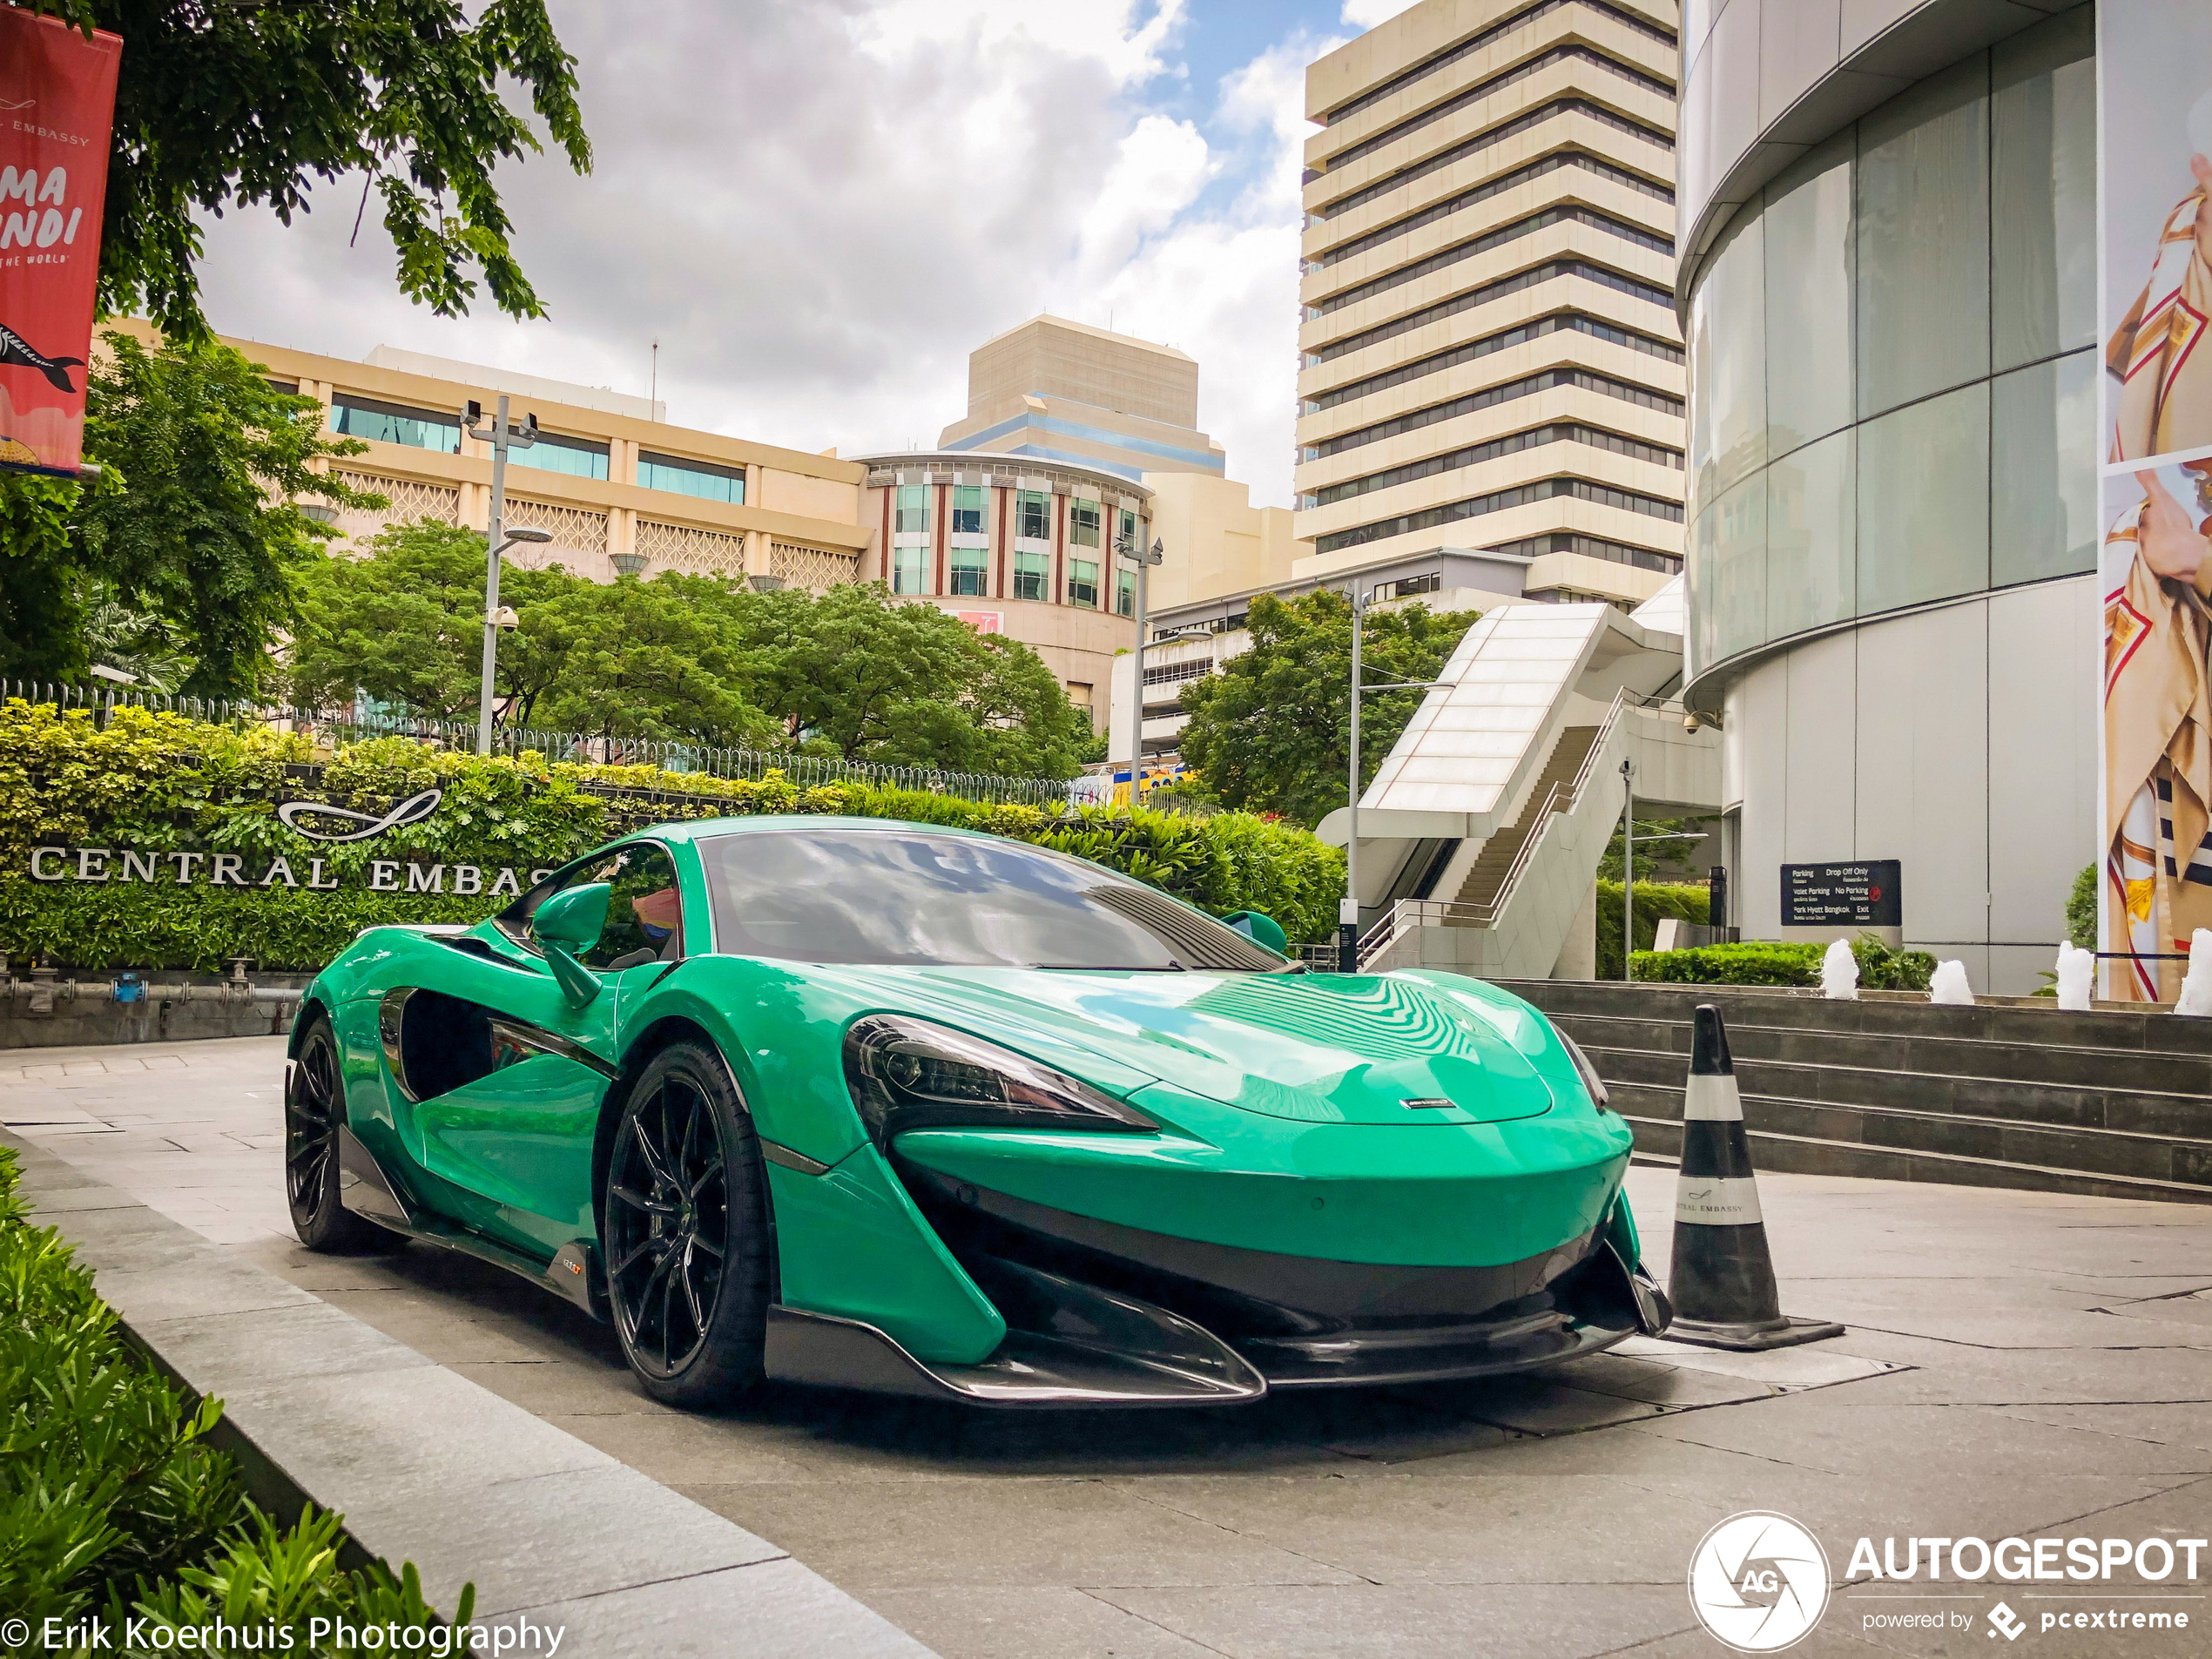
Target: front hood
x,y
1319,1048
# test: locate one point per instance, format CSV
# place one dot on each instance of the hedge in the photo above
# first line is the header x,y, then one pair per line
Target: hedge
x,y
1766,962
1685,901
114,1509
161,782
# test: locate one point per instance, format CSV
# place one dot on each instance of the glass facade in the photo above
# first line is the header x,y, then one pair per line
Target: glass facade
x,y
1125,593
578,457
1083,523
1032,571
965,572
1083,583
702,478
910,511
1891,357
361,417
910,569
967,509
1033,515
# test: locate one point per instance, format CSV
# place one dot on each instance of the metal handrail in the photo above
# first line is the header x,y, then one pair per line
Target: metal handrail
x,y
676,755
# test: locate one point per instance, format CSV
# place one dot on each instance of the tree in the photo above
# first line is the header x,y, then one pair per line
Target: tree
x,y
404,624
1273,732
222,105
194,521
645,660
42,585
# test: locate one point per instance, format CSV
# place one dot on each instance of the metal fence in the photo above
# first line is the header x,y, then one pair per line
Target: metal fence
x,y
363,721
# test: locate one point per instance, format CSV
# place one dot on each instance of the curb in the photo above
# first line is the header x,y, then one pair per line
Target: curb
x,y
427,1467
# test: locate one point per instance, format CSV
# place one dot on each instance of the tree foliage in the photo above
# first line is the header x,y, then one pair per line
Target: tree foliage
x,y
1273,732
680,657
187,545
222,105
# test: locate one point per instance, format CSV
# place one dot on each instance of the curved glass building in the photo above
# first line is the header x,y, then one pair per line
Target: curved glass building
x,y
1888,283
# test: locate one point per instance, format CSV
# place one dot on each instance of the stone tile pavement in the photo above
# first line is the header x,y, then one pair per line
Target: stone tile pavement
x,y
2016,1364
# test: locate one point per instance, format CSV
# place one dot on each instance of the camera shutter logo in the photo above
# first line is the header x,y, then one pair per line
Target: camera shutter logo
x,y
414,810
1758,1582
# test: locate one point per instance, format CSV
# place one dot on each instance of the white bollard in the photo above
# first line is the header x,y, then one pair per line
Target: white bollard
x,y
1839,973
1950,985
2196,984
2076,968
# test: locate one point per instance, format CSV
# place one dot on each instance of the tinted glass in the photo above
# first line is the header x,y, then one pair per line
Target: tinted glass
x,y
644,911
889,897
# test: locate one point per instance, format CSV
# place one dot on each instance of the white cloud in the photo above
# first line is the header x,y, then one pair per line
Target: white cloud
x,y
1365,14
820,211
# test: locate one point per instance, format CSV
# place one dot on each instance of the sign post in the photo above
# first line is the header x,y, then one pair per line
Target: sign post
x,y
1865,894
57,105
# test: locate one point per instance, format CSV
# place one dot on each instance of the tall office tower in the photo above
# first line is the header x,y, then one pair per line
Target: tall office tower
x,y
1490,357
1066,391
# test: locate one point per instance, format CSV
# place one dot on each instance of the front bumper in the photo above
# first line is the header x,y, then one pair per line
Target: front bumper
x,y
1103,1314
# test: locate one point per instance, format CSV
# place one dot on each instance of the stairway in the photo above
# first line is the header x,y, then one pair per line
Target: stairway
x,y
1491,866
2111,1104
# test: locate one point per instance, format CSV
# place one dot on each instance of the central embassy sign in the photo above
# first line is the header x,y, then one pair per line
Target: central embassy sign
x,y
307,819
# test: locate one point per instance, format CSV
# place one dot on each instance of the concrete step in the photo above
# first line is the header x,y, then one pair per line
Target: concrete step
x,y
1660,1139
2145,1032
2058,1105
2166,1159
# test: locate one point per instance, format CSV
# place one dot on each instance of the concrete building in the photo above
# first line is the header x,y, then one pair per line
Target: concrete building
x,y
610,478
1490,355
1016,546
1066,391
1890,285
1214,540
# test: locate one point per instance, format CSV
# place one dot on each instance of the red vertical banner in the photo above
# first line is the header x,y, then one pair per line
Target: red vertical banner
x,y
57,105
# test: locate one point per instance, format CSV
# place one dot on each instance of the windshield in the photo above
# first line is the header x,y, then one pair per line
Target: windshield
x,y
892,897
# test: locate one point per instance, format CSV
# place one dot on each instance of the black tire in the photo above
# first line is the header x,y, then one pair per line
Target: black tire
x,y
314,1110
684,1229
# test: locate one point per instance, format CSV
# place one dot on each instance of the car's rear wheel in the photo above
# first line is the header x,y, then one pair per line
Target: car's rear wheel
x,y
315,1111
685,1228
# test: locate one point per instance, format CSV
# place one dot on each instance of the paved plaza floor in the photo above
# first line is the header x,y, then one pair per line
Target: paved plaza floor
x,y
2016,1364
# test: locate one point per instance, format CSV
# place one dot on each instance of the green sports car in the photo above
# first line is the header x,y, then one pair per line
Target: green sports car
x,y
894,1107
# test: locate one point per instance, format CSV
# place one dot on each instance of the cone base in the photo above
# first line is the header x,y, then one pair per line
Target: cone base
x,y
1751,1339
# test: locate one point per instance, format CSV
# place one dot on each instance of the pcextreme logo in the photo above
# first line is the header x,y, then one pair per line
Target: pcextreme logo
x,y
1758,1582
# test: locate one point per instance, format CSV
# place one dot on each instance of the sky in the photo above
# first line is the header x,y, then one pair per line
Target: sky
x,y
819,207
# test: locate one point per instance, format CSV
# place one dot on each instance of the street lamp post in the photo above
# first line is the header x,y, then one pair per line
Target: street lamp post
x,y
502,437
1134,554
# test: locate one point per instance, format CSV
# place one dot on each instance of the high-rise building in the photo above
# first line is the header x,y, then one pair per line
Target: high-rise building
x,y
1490,357
1066,391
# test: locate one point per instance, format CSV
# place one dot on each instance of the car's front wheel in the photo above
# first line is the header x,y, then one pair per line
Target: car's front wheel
x,y
684,1229
315,1111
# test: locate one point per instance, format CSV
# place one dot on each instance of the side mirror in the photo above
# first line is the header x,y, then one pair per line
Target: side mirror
x,y
1263,930
568,922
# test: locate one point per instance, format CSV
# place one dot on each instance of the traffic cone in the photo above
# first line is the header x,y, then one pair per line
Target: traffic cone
x,y
1721,1281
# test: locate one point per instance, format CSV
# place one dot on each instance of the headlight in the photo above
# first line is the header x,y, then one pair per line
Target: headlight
x,y
1591,1081
906,1073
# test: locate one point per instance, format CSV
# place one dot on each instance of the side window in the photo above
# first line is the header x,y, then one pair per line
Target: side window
x,y
644,913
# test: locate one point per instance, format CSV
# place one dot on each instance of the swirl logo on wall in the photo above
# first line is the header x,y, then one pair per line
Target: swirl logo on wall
x,y
414,810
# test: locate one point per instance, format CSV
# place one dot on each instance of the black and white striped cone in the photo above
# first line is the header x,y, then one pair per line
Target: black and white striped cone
x,y
1721,1281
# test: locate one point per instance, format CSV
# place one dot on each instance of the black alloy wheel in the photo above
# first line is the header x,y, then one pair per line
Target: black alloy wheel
x,y
315,1111
684,1228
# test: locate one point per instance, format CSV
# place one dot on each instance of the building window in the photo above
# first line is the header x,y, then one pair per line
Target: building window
x,y
1407,586
913,513
1033,520
910,569
1128,536
702,478
578,457
361,417
1083,523
966,573
1030,575
1083,583
967,510
1125,592
1079,693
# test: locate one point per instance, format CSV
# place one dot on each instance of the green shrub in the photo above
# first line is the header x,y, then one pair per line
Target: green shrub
x,y
2081,912
160,782
1685,901
112,1503
1758,961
